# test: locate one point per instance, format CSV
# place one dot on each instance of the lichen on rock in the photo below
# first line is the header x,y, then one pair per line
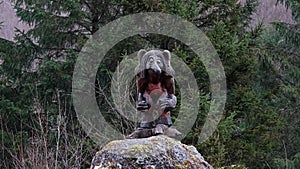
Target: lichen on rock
x,y
156,152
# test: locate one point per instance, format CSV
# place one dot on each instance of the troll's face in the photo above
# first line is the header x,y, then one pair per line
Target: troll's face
x,y
154,62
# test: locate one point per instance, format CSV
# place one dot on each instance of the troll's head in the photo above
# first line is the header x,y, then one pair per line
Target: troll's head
x,y
154,62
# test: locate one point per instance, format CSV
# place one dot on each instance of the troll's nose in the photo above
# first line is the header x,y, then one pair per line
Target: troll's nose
x,y
156,70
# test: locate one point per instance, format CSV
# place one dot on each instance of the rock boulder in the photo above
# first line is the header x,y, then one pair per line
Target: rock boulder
x,y
156,152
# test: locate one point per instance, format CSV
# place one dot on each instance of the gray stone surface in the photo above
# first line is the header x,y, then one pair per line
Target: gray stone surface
x,y
156,152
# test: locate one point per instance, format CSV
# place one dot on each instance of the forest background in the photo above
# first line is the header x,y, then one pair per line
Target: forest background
x,y
260,127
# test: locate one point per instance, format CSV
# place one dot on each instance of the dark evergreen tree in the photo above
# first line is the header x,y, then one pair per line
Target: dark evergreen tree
x,y
37,112
279,79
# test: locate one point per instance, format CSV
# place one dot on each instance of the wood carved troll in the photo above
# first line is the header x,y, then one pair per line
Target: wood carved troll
x,y
156,91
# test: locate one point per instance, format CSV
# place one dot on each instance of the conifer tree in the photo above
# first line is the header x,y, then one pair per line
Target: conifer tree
x,y
279,79
38,68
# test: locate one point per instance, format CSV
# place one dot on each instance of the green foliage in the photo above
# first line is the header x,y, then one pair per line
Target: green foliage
x,y
286,163
260,127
